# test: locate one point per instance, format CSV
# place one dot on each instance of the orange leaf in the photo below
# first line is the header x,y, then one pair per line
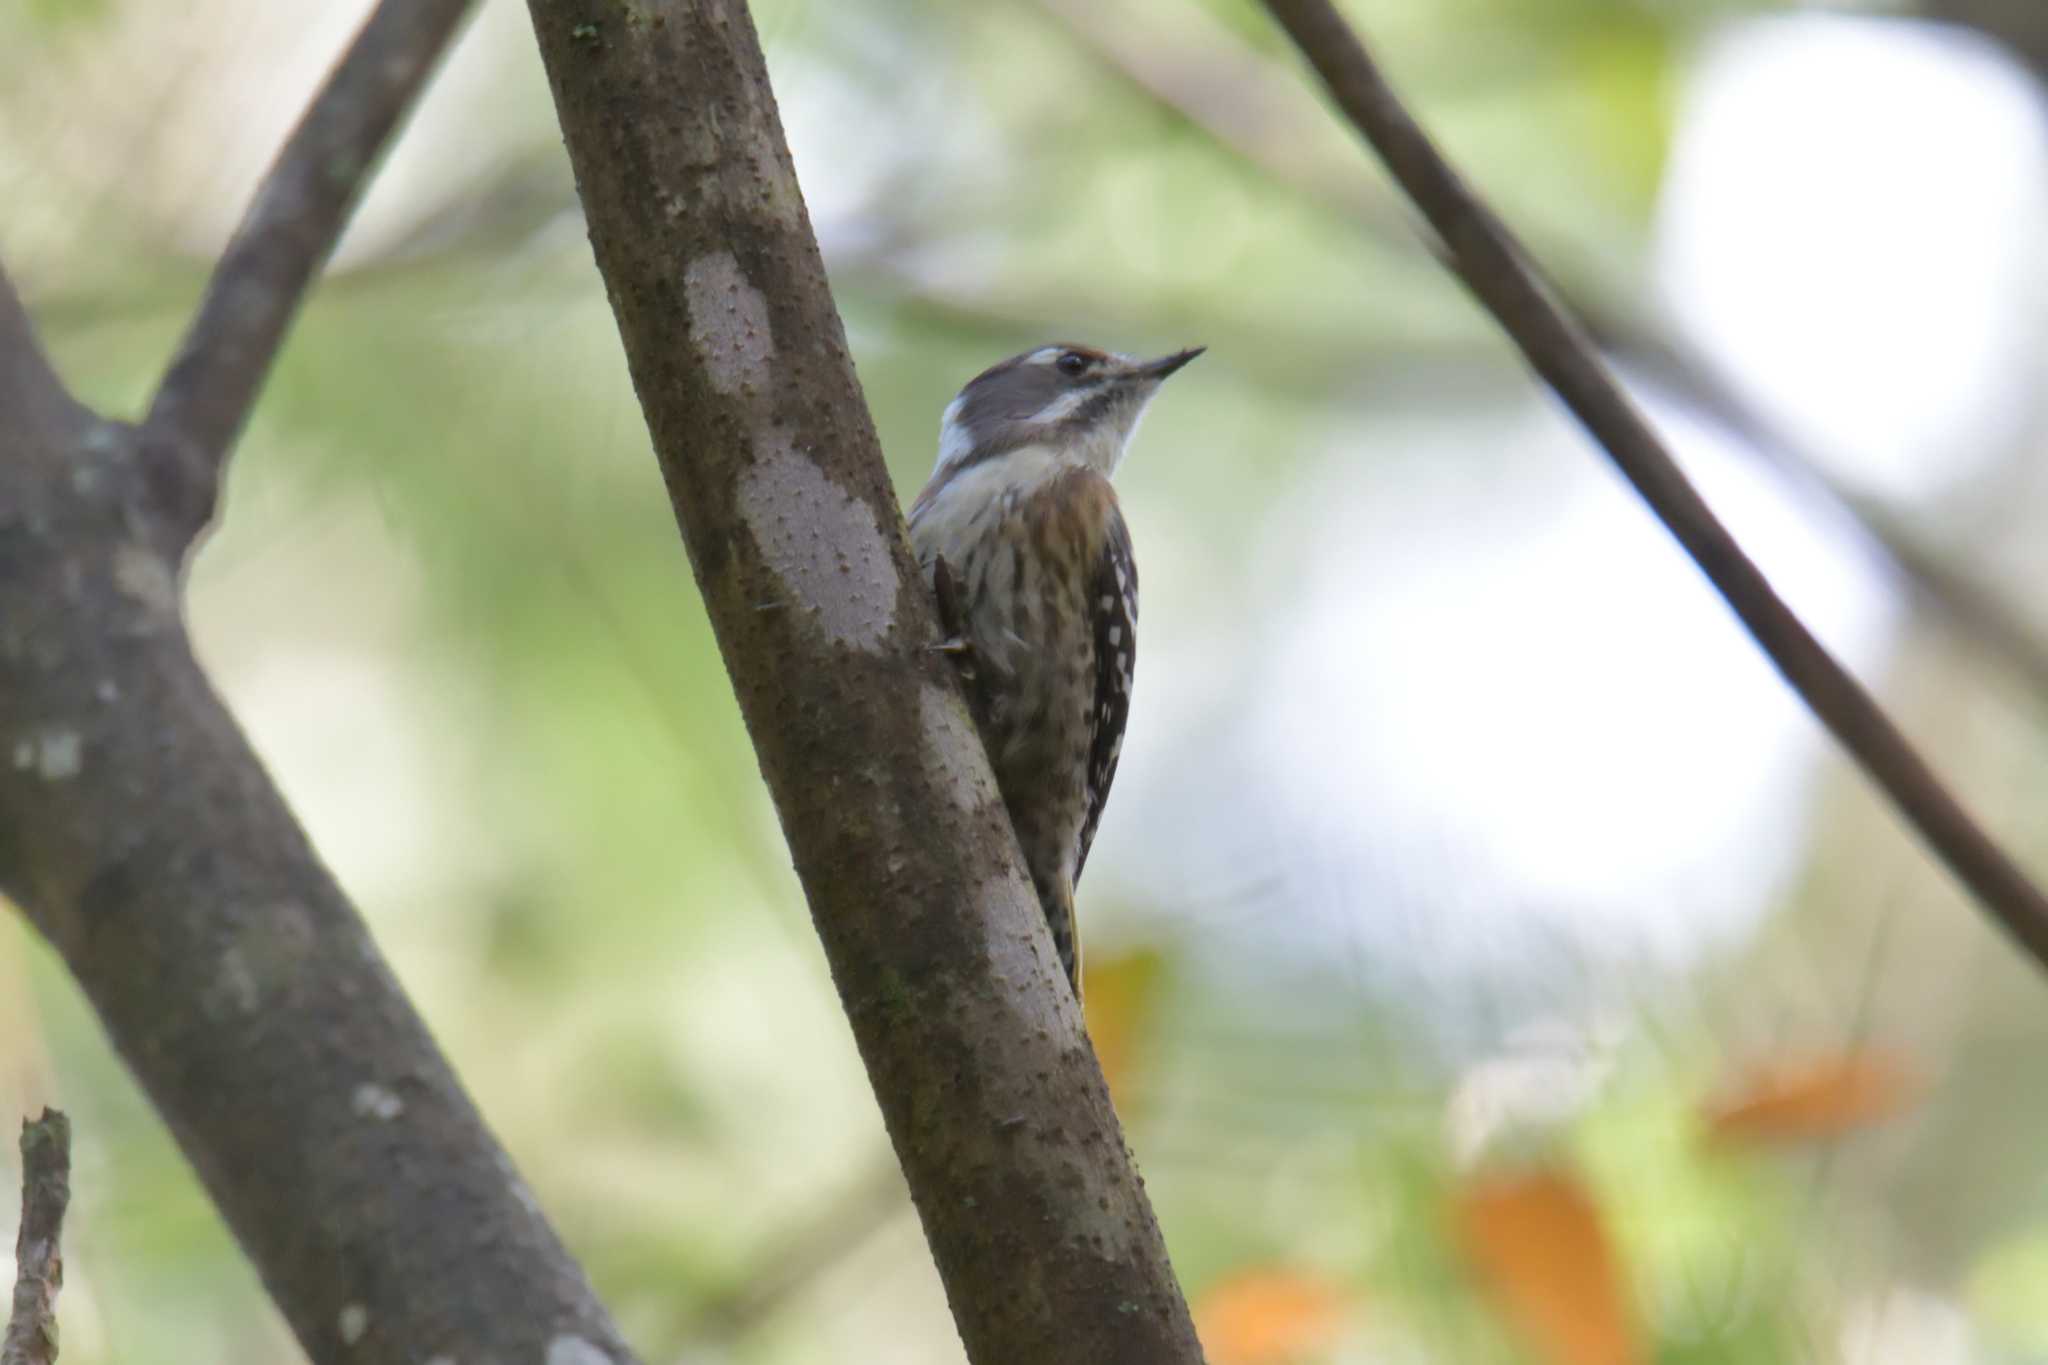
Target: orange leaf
x,y
1810,1098
1117,995
1542,1254
1268,1317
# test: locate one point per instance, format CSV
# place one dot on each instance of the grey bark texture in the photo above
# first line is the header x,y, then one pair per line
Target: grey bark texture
x,y
141,836
1039,1225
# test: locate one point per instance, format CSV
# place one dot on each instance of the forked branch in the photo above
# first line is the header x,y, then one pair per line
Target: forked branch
x,y
284,238
141,836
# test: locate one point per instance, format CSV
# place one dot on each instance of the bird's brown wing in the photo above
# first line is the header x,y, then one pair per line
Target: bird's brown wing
x,y
1113,612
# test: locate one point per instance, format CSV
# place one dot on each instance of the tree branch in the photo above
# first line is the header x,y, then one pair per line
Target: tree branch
x,y
1492,266
38,1264
1975,611
1040,1228
2021,25
1206,75
31,394
141,836
290,228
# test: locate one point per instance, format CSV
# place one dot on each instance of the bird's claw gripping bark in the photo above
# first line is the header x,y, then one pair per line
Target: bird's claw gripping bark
x,y
952,614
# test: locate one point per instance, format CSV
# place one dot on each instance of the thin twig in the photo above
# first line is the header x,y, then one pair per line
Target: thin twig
x,y
1198,70
1491,264
290,227
38,1265
1209,77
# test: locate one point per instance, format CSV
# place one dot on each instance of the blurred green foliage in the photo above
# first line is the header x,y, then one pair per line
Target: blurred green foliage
x,y
450,604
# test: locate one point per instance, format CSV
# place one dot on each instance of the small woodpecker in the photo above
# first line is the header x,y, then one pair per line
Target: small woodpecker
x,y
1020,537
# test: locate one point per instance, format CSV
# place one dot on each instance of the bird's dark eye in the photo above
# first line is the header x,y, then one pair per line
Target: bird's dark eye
x,y
1072,363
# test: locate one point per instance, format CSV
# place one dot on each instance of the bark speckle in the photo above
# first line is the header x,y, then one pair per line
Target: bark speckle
x,y
353,1321
146,577
373,1101
234,989
55,755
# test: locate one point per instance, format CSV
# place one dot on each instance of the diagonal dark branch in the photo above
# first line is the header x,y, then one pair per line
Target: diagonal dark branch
x,y
1491,264
1962,601
289,230
1245,102
38,1261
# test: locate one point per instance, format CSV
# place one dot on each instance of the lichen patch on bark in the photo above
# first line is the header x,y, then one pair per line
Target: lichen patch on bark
x,y
55,755
574,1350
950,744
1016,956
729,324
824,545
371,1100
146,577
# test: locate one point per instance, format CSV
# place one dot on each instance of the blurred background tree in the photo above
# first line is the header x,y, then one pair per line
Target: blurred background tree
x,y
1469,872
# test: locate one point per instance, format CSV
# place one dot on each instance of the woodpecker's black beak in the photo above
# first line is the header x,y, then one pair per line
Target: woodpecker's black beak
x,y
1167,364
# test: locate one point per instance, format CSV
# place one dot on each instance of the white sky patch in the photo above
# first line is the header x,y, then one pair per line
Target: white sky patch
x,y
349,733
1852,224
1529,667
1904,1326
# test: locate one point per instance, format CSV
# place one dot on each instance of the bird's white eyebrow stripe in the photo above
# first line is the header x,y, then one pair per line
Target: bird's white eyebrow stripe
x,y
956,443
1062,406
1044,355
